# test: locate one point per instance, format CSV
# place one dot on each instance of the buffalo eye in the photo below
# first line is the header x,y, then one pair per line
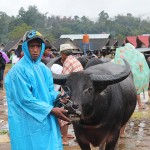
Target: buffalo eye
x,y
88,90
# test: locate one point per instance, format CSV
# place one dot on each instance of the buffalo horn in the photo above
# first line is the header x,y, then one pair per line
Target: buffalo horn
x,y
112,79
52,61
60,78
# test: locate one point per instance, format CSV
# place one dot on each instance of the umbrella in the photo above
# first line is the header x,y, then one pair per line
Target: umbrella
x,y
4,55
138,64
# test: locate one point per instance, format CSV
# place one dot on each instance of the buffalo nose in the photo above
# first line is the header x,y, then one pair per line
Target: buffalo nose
x,y
75,106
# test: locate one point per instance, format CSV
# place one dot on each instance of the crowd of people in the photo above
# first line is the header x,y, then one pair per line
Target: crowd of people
x,y
34,122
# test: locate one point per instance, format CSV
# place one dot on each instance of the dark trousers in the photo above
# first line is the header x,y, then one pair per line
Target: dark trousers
x,y
1,78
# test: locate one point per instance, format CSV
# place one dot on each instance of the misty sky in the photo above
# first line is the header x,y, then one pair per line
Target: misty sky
x,y
88,8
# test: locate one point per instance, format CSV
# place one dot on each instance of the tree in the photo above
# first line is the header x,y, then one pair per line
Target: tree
x,y
33,17
76,18
21,12
19,31
53,26
103,16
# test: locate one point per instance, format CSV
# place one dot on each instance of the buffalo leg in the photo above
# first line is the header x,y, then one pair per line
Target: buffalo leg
x,y
84,146
83,143
112,141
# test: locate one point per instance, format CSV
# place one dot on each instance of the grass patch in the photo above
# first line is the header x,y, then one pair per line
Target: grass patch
x,y
140,115
3,132
7,68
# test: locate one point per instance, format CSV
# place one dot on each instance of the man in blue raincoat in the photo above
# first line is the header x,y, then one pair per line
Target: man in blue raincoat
x,y
30,94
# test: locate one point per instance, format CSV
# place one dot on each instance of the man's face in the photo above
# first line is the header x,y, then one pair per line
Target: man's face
x,y
47,52
34,49
63,57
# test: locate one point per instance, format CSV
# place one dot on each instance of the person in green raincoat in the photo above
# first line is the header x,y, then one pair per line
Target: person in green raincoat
x,y
32,117
139,68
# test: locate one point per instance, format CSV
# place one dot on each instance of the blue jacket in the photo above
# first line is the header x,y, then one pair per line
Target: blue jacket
x,y
30,96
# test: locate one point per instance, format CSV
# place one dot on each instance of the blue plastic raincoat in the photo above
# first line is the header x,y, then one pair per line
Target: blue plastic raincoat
x,y
30,96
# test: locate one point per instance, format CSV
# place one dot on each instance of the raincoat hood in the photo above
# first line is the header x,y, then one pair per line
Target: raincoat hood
x,y
27,55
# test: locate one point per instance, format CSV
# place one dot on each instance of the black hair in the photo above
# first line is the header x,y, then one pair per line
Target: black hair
x,y
48,46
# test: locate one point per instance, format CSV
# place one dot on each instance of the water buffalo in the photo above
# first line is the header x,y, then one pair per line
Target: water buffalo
x,y
103,97
93,61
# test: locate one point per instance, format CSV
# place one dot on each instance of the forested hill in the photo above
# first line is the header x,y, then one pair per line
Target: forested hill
x,y
12,27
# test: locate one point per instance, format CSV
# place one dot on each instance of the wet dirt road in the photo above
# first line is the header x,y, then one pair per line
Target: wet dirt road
x,y
137,130
137,133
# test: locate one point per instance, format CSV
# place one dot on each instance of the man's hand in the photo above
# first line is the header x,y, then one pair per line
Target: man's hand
x,y
61,101
64,99
59,113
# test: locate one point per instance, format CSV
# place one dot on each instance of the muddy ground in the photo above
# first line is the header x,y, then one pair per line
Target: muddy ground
x,y
137,130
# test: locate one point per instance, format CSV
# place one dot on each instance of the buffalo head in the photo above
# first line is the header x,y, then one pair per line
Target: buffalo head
x,y
85,85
